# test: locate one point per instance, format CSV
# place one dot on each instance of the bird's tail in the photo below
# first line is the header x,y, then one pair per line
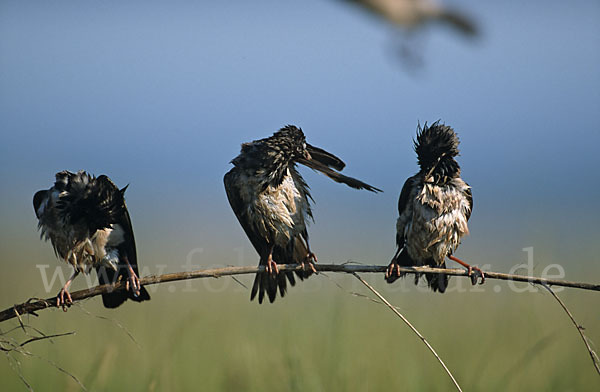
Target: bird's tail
x,y
116,298
438,282
265,282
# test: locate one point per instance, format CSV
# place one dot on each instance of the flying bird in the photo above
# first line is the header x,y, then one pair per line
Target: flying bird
x,y
434,207
86,220
271,200
414,14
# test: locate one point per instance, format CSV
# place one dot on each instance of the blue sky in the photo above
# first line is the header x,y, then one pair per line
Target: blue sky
x,y
161,94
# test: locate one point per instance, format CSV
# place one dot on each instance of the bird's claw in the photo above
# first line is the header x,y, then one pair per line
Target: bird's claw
x,y
392,270
311,260
476,275
133,282
63,302
272,267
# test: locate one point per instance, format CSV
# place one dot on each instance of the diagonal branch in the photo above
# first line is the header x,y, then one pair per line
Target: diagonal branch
x,y
580,329
35,304
393,308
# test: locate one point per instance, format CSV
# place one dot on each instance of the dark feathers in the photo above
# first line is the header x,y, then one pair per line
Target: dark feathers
x,y
87,221
436,146
337,177
271,201
326,158
97,202
434,206
270,157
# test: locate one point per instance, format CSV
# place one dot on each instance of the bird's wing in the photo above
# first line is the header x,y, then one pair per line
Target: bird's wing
x,y
337,177
469,196
403,203
238,206
264,283
113,210
129,244
97,203
404,195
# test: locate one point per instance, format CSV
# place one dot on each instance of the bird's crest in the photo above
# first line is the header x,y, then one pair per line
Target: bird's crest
x,y
434,143
436,146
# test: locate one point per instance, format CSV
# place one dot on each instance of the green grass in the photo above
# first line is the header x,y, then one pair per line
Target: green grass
x,y
319,338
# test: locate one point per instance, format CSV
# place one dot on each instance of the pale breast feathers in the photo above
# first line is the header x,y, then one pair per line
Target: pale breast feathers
x,y
436,220
279,212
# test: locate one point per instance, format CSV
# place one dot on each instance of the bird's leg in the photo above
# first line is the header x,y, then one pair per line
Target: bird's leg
x,y
394,267
311,259
60,298
271,265
133,281
470,268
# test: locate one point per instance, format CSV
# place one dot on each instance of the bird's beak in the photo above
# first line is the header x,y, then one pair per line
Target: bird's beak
x,y
327,163
324,157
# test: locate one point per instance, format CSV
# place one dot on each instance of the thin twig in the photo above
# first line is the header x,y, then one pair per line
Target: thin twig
x,y
55,365
45,337
16,366
580,329
114,321
352,293
393,309
18,348
32,305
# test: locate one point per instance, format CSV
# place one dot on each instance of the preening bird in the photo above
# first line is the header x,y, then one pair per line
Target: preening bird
x,y
272,203
86,220
434,207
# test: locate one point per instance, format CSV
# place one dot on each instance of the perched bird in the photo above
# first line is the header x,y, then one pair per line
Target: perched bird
x,y
271,201
434,207
86,220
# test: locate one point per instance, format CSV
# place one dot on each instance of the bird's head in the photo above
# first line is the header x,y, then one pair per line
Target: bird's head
x,y
436,146
270,159
290,142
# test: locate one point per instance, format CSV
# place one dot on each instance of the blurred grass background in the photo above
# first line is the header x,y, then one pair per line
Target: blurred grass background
x,y
160,95
318,338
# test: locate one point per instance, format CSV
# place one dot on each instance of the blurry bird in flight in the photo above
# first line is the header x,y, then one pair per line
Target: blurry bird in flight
x,y
414,14
413,17
434,207
271,201
86,220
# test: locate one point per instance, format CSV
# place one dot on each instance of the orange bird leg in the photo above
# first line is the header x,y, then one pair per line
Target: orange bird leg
x,y
311,259
271,264
60,298
470,268
133,282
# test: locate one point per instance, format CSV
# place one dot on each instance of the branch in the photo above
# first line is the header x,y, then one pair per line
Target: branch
x,y
35,304
580,329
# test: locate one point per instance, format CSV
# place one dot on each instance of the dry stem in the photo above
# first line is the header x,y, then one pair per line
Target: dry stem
x,y
35,304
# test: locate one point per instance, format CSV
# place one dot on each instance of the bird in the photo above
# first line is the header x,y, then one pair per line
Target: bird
x,y
271,201
415,14
88,224
434,208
